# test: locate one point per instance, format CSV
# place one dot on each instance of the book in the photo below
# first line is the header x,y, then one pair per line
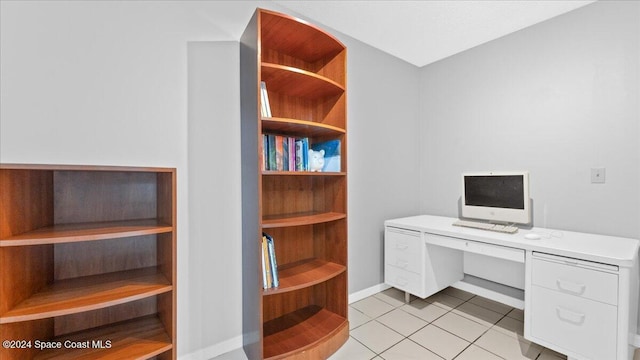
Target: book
x,y
264,97
292,154
279,153
272,260
265,152
299,156
266,266
304,154
271,163
285,153
331,155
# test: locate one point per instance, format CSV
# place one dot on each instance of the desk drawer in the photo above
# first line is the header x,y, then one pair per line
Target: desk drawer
x,y
572,323
403,249
404,280
574,279
476,247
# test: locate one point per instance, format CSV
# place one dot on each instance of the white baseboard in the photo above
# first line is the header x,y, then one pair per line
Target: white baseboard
x,y
214,350
636,341
357,296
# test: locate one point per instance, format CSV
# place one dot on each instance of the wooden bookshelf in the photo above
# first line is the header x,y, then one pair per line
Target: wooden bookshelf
x,y
88,252
304,69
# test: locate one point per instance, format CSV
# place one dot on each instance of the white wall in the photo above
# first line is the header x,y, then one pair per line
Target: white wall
x,y
383,155
127,83
215,281
557,99
105,82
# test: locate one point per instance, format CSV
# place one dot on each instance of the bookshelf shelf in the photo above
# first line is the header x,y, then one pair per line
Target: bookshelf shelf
x,y
302,173
308,85
65,233
88,249
299,219
303,213
300,330
297,127
141,338
305,273
89,293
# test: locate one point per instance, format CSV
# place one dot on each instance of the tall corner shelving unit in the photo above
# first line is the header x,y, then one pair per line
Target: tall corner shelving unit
x,y
304,69
88,262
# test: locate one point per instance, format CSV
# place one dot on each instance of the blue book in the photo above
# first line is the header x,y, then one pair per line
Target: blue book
x,y
305,154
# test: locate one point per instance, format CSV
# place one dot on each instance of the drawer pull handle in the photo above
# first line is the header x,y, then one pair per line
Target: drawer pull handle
x,y
402,246
570,316
570,287
402,263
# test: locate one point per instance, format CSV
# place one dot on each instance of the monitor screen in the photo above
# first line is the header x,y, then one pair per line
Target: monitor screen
x,y
496,196
495,191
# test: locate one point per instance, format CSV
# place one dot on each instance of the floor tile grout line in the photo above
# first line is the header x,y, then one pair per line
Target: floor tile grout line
x,y
422,346
448,310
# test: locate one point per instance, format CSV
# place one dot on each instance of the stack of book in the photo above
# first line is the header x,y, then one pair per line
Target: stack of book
x,y
284,153
269,265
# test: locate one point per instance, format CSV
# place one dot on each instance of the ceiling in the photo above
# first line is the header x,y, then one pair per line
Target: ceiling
x,y
424,31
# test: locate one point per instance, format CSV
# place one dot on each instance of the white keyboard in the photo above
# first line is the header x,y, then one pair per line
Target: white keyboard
x,y
486,226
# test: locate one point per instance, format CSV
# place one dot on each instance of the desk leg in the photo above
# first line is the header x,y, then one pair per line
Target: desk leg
x,y
407,297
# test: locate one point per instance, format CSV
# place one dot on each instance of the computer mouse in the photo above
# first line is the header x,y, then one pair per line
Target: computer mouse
x,y
532,236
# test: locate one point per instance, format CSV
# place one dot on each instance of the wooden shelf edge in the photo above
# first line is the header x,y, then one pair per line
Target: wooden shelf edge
x,y
311,329
141,338
302,173
303,274
298,125
308,218
45,167
308,84
302,72
89,293
66,233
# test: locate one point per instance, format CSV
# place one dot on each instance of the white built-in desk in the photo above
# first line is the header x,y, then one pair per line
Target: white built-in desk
x,y
579,291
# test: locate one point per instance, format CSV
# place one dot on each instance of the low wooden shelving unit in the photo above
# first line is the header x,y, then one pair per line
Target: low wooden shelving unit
x,y
87,257
304,69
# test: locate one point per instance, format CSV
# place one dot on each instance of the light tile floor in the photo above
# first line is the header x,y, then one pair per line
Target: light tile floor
x,y
451,324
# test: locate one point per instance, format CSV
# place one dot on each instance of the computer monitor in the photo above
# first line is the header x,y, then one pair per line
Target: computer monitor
x,y
497,196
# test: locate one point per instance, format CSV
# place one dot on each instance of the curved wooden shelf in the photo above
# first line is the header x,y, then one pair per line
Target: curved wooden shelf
x,y
307,218
141,338
304,274
309,329
299,128
296,37
87,232
279,78
89,293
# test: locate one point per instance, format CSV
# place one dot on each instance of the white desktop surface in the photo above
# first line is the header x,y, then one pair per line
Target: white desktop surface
x,y
599,248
